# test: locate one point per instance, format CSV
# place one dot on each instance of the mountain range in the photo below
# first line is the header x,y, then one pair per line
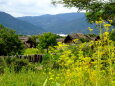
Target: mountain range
x,y
61,23
21,27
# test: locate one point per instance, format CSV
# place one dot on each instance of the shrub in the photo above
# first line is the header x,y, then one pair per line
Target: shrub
x,y
16,65
19,64
2,65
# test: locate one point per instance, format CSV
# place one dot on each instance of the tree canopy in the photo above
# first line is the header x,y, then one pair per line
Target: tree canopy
x,y
9,42
94,8
46,40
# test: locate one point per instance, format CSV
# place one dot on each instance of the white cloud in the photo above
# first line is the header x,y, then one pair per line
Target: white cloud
x,y
32,7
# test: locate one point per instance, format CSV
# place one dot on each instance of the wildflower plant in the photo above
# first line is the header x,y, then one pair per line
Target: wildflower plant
x,y
85,64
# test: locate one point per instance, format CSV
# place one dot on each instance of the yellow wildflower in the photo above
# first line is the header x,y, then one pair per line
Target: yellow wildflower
x,y
99,22
75,40
106,33
107,25
110,21
90,29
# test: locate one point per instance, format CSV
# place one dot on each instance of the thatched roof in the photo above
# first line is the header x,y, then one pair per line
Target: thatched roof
x,y
71,37
77,36
80,35
60,40
24,38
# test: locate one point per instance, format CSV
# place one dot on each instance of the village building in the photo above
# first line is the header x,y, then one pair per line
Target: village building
x,y
81,38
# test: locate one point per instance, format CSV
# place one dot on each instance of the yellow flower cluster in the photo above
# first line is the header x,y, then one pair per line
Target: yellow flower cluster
x,y
90,29
99,22
107,25
85,64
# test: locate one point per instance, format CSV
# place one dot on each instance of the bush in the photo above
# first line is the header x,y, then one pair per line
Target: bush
x,y
19,64
2,65
15,64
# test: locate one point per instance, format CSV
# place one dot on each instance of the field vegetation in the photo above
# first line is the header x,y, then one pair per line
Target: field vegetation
x,y
31,51
85,64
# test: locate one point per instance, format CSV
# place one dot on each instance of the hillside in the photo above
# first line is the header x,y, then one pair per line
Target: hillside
x,y
61,23
21,27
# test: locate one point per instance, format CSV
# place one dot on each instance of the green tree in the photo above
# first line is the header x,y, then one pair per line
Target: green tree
x,y
33,40
46,40
9,42
94,8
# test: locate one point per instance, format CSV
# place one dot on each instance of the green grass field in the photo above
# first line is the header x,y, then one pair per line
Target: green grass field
x,y
31,51
23,79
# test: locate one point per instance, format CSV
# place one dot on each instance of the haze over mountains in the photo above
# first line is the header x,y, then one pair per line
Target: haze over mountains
x,y
61,23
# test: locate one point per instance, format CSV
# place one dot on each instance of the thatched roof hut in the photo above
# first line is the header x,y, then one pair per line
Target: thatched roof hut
x,y
71,37
80,36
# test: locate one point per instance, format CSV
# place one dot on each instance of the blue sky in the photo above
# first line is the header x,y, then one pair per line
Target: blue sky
x,y
19,8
